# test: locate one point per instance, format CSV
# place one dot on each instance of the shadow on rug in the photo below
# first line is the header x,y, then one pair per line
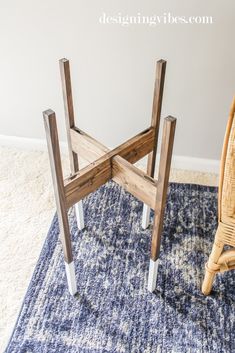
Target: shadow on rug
x,y
113,311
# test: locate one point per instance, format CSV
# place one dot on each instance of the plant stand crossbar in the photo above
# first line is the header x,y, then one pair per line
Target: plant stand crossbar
x,y
105,164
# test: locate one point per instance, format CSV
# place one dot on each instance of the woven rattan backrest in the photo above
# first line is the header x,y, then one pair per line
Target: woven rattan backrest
x,y
226,201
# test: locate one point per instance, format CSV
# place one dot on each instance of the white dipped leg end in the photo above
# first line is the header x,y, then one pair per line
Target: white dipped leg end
x,y
145,216
71,279
152,279
79,215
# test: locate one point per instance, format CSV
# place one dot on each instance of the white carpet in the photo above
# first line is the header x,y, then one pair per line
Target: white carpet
x,y
26,208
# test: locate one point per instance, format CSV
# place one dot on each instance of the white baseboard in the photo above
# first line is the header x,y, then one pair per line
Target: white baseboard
x,y
178,162
196,164
190,163
28,144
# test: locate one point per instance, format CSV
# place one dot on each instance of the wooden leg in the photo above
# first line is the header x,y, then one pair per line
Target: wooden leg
x,y
79,214
146,216
163,179
209,272
156,114
59,190
69,119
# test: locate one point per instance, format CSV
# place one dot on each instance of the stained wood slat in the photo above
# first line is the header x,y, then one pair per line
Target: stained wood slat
x,y
86,146
134,181
87,180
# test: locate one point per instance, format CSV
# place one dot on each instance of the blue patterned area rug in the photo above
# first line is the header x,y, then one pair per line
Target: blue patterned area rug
x,y
113,311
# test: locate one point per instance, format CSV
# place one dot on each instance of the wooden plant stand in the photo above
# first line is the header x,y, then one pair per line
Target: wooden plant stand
x,y
105,164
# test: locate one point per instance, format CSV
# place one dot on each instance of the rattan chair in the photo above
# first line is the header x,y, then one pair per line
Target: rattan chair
x,y
221,260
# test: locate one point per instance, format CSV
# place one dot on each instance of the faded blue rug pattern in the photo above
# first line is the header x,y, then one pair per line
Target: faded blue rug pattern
x,y
113,311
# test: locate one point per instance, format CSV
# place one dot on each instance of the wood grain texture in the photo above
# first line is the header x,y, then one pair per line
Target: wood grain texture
x,y
227,137
58,184
163,179
69,111
86,146
99,172
221,259
125,174
136,147
87,180
156,113
135,181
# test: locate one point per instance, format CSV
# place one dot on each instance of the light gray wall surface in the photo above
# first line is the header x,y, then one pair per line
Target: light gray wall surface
x,y
113,69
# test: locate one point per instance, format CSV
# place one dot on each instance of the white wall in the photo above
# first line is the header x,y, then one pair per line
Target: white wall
x,y
113,69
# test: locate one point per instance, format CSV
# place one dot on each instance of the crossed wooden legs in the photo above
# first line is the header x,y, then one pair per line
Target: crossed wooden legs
x,y
105,164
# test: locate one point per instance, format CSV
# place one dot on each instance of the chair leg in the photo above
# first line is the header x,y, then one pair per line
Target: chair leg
x,y
208,282
163,179
58,184
69,119
209,268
